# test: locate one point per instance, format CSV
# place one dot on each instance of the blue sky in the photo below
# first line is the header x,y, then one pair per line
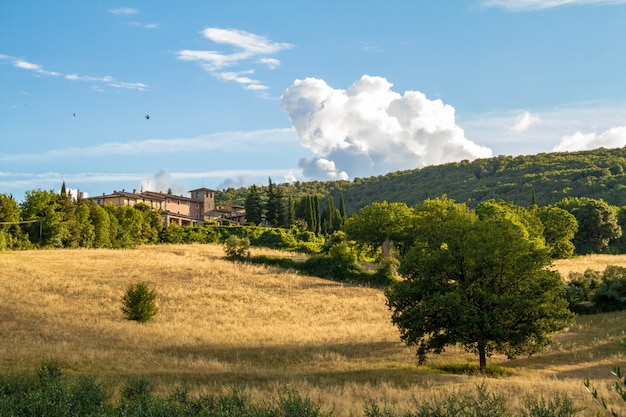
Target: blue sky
x,y
239,91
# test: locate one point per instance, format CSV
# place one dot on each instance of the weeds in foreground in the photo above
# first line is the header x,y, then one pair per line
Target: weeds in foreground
x,y
49,393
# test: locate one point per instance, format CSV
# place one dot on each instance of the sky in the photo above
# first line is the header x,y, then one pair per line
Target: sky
x,y
158,95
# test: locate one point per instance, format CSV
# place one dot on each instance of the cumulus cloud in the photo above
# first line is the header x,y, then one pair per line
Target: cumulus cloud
x,y
612,138
105,80
368,129
248,49
524,121
530,5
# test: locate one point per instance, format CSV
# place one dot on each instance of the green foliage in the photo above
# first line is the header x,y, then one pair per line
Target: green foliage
x,y
557,406
560,227
135,389
55,395
597,226
379,222
595,292
139,303
476,280
252,204
237,248
292,404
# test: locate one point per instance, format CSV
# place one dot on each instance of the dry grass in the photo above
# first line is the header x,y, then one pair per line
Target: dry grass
x,y
224,324
582,263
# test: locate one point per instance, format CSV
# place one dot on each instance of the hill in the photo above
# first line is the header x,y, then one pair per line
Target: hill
x,y
553,176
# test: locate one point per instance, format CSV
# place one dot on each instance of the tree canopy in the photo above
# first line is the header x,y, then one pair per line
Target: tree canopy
x,y
476,280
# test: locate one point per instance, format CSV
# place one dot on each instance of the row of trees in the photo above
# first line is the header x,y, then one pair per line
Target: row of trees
x,y
572,226
56,220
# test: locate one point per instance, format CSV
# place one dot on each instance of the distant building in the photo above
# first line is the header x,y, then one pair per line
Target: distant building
x,y
178,209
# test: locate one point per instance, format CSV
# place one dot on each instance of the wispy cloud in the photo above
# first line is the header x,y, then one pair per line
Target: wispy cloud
x,y
531,5
123,11
248,49
212,142
161,181
105,80
130,11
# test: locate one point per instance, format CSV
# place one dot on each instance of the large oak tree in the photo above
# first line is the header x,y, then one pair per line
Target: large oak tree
x,y
478,279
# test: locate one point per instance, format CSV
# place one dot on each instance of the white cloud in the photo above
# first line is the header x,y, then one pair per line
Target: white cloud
x,y
494,128
612,138
530,5
524,121
249,49
369,129
107,80
241,78
248,42
271,63
123,11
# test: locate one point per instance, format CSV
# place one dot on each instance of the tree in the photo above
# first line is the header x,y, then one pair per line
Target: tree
x,y
274,209
476,281
10,231
597,226
380,222
254,211
342,209
44,206
559,228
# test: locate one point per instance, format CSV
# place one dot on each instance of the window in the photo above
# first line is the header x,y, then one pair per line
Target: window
x,y
197,205
188,204
178,202
169,201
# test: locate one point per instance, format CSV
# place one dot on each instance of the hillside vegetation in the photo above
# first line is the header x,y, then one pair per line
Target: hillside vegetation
x,y
222,325
596,174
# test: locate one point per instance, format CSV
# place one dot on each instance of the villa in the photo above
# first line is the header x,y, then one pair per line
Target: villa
x,y
196,209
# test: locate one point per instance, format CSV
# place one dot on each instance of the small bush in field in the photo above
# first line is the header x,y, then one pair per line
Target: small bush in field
x,y
237,248
139,303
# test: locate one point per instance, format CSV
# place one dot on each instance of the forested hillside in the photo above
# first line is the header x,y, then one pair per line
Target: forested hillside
x,y
597,174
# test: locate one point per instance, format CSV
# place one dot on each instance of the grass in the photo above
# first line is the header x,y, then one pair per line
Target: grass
x,y
222,325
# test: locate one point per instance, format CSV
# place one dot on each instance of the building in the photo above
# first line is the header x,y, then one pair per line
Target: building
x,y
178,209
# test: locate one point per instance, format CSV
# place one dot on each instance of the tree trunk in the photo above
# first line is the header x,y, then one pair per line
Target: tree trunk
x,y
482,355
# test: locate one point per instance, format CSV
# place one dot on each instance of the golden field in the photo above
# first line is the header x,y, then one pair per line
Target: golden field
x,y
223,324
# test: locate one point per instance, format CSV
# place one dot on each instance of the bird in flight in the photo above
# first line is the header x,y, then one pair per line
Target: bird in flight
x,y
147,116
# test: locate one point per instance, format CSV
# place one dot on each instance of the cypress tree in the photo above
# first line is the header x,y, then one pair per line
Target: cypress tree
x,y
253,205
342,208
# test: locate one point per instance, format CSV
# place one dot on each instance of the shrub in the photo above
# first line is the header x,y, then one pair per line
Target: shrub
x,y
558,406
237,248
294,405
139,303
137,388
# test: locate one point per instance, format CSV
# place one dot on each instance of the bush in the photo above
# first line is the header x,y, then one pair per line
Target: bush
x,y
558,406
137,388
596,292
237,248
139,303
